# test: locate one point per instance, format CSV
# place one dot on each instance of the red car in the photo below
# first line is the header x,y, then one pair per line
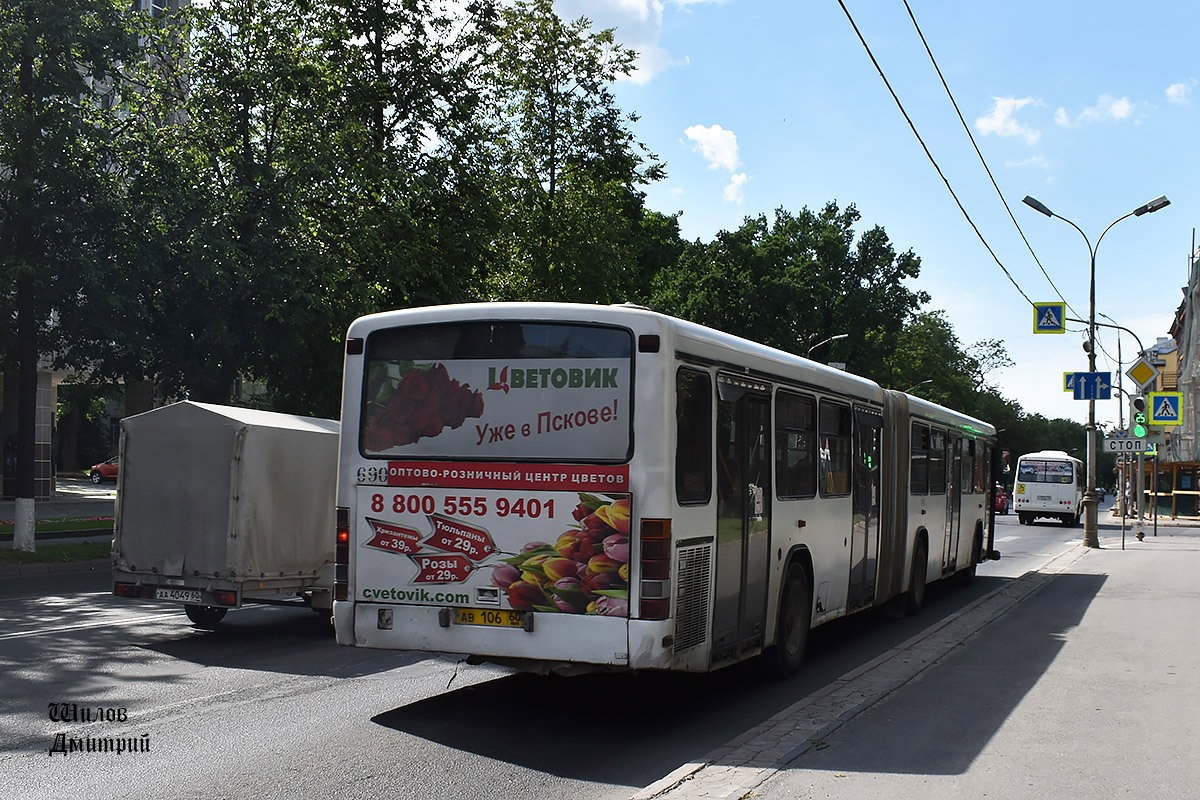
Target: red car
x,y
105,470
1001,500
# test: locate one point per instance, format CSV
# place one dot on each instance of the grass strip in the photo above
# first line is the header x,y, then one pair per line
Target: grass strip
x,y
64,524
57,553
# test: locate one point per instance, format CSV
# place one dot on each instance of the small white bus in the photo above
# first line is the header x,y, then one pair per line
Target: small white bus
x,y
565,487
1049,485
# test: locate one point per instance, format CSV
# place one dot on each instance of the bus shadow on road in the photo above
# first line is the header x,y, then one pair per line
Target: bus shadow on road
x,y
939,722
632,729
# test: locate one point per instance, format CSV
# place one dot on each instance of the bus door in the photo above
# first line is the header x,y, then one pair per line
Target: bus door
x,y
743,516
953,505
864,536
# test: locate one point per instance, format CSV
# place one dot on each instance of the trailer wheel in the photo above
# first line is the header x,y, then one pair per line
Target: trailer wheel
x,y
916,582
795,620
206,617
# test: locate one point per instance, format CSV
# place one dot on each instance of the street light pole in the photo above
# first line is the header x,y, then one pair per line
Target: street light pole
x,y
826,341
1091,537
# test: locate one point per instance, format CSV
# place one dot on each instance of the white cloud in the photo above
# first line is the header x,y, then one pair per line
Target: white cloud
x,y
720,148
638,25
1180,92
1001,120
1107,107
1035,161
733,192
717,145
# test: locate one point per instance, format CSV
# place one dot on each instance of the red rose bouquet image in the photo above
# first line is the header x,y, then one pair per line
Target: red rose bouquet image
x,y
586,571
412,401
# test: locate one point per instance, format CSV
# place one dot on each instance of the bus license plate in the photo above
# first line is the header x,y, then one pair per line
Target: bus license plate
x,y
178,595
1045,497
490,617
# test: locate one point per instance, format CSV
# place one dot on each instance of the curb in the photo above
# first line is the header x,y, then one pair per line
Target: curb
x,y
21,570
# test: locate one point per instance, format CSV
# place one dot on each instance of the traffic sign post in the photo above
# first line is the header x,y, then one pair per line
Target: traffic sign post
x,y
1142,373
1093,385
1164,407
1049,317
1124,444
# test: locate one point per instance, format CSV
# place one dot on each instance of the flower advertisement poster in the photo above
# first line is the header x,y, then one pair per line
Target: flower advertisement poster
x,y
510,549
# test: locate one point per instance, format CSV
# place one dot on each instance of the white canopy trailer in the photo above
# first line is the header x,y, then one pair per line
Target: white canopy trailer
x,y
218,506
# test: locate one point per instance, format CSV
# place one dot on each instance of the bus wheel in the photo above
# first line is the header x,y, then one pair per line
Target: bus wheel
x,y
916,583
795,619
968,575
206,617
1022,518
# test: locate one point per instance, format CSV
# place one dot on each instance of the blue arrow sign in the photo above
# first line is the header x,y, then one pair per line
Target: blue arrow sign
x,y
1093,386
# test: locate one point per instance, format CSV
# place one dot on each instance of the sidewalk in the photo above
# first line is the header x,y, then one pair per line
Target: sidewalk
x,y
1077,681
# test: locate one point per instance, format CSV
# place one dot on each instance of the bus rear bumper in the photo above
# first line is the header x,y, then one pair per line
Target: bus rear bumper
x,y
555,637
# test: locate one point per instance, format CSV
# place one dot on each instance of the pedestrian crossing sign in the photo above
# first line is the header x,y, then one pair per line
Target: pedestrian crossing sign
x,y
1069,382
1164,407
1049,317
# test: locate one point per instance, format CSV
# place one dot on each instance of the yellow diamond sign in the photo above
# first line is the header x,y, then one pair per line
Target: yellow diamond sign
x,y
1143,373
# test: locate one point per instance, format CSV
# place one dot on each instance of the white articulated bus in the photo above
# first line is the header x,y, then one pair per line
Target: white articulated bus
x,y
568,487
1049,484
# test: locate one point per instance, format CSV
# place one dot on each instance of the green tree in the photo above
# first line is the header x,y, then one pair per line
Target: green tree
x,y
568,168
55,140
796,281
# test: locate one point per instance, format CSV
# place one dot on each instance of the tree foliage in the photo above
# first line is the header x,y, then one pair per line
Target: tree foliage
x,y
215,194
569,169
796,281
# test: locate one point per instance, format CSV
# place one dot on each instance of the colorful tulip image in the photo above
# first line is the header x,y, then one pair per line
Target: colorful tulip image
x,y
505,575
524,596
585,571
616,547
615,515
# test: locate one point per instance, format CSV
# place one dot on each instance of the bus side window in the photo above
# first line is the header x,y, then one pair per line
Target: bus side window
x,y
937,461
835,448
795,445
919,466
693,436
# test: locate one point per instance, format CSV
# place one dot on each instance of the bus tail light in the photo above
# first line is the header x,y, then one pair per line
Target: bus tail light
x,y
655,569
341,554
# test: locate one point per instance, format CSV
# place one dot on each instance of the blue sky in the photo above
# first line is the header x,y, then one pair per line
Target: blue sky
x,y
1090,107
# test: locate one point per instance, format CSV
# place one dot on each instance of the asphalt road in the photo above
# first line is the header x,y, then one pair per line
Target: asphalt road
x,y
269,706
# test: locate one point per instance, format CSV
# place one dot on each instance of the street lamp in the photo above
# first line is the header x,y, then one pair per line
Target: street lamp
x,y
915,385
826,341
1091,536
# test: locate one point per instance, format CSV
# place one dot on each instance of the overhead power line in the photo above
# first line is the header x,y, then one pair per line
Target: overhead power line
x,y
912,126
982,160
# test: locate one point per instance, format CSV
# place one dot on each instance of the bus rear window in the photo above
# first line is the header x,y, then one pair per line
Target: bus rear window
x,y
498,390
1045,472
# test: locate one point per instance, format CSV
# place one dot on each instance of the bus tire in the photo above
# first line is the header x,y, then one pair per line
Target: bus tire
x,y
967,575
792,628
207,617
1023,518
916,581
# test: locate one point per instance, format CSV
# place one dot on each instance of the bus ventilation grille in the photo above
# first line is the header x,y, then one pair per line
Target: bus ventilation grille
x,y
691,608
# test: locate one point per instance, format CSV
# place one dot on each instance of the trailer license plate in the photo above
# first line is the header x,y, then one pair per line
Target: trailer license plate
x,y
493,618
178,595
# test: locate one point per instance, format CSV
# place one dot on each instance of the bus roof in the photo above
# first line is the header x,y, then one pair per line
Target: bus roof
x,y
771,360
